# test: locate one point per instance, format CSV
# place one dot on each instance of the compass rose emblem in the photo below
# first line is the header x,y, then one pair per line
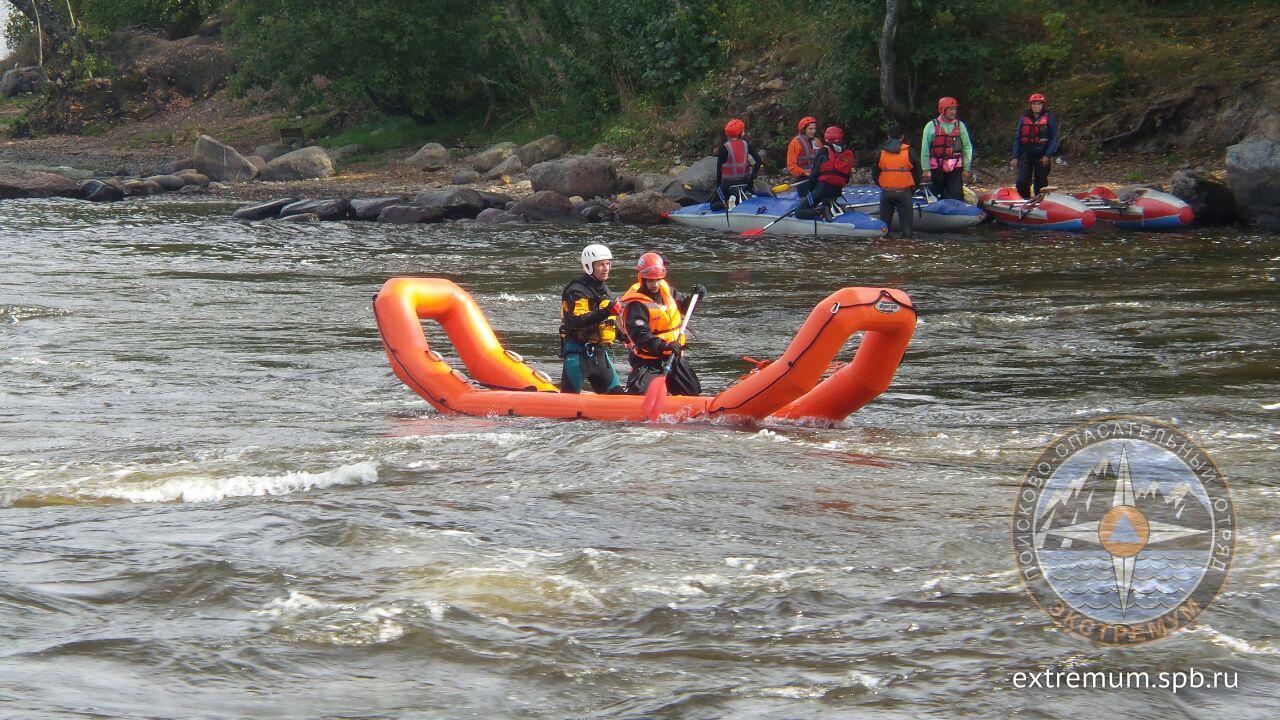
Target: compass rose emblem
x,y
1124,530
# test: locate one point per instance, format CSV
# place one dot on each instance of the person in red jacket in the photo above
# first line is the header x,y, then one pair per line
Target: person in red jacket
x,y
832,166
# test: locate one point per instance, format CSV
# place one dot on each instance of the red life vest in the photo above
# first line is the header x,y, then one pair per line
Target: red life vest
x,y
836,167
1034,130
807,153
737,166
943,148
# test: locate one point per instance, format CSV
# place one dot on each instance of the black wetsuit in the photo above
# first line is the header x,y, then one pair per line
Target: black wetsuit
x,y
897,200
586,360
725,187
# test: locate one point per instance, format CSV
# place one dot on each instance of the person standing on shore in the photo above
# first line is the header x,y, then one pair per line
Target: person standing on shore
x,y
897,172
737,165
1035,143
588,326
800,153
946,152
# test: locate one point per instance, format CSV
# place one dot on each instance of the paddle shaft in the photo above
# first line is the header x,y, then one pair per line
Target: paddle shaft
x,y
693,301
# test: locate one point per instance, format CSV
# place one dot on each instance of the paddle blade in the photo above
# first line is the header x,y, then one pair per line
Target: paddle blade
x,y
654,398
753,232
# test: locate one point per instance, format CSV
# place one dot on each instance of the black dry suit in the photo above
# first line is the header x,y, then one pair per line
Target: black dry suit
x,y
587,329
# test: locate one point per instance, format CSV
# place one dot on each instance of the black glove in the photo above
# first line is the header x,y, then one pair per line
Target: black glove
x,y
700,291
672,347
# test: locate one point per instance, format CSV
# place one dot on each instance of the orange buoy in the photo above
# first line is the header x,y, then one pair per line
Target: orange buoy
x,y
501,383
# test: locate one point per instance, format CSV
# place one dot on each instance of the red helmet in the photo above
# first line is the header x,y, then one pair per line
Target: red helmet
x,y
833,134
1036,97
805,121
651,266
734,128
947,102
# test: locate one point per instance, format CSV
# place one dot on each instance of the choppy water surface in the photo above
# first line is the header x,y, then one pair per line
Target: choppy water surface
x,y
217,501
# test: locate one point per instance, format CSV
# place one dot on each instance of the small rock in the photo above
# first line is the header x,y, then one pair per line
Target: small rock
x,y
21,183
346,151
452,203
486,159
98,191
168,182
137,188
194,178
305,164
646,208
431,156
271,151
547,147
21,80
494,200
328,209
177,166
409,214
510,166
774,85
544,205
465,177
221,162
651,181
262,210
257,162
495,216
594,211
302,218
191,190
369,208
600,150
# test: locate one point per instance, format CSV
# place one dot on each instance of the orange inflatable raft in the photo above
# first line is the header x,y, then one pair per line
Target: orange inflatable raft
x,y
499,382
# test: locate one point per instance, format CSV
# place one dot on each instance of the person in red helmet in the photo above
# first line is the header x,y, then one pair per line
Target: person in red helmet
x,y
803,148
832,166
651,316
946,153
1035,143
737,165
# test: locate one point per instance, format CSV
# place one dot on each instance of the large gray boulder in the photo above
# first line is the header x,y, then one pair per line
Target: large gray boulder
x,y
1210,198
645,208
484,160
547,147
19,183
257,162
431,156
544,205
1253,170
699,176
369,208
575,175
409,214
21,80
271,151
510,166
221,162
98,191
496,216
263,210
452,202
327,209
650,181
305,164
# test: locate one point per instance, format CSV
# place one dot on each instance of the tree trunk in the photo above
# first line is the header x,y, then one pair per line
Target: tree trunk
x,y
42,15
888,62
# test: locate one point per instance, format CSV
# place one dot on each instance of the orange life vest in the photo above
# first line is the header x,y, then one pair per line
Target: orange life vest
x,y
895,169
737,166
664,317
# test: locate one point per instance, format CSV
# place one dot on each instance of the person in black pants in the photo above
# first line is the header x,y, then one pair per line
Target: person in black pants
x,y
896,170
832,166
737,164
1035,143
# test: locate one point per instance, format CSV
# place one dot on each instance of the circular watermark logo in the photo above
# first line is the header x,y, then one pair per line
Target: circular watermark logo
x,y
1123,530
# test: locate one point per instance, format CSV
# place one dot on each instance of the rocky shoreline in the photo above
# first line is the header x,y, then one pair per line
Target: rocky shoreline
x,y
537,181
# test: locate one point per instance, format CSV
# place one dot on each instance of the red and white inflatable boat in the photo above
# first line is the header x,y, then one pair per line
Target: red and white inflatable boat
x,y
1148,210
1055,211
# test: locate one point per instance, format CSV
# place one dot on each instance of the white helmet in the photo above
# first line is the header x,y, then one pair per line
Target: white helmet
x,y
592,253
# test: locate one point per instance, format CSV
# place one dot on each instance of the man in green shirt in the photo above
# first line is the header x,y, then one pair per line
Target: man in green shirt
x,y
946,153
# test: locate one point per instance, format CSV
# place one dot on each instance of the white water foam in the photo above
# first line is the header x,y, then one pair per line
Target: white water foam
x,y
194,489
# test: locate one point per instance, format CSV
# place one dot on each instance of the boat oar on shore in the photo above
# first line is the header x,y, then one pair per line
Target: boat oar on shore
x,y
1039,198
655,396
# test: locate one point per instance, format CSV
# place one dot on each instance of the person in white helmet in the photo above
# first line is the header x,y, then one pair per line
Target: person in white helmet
x,y
588,326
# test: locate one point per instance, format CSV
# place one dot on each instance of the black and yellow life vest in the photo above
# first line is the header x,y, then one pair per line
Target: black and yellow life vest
x,y
588,299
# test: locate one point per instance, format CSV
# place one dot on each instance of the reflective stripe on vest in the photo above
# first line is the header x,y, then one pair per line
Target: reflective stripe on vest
x,y
1033,131
736,165
943,150
895,169
664,317
807,152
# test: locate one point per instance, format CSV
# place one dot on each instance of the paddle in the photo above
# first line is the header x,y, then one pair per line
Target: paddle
x,y
757,232
655,396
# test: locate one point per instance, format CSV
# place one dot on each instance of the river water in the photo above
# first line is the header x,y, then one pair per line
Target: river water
x,y
217,501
